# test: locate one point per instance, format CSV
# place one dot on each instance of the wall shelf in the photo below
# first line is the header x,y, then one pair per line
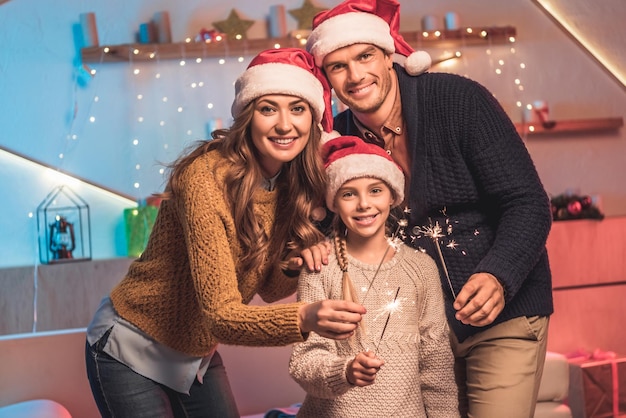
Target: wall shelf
x,y
225,48
572,125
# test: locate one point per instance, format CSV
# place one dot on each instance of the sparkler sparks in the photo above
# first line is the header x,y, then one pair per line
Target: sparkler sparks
x,y
394,242
435,232
452,244
393,306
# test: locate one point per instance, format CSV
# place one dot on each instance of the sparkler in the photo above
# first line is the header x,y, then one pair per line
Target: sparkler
x,y
435,232
391,308
393,242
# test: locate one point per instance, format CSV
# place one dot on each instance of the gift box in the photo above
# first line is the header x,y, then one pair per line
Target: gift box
x,y
597,388
139,222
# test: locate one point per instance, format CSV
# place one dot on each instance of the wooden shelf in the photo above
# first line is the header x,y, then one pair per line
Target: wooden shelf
x,y
573,125
227,48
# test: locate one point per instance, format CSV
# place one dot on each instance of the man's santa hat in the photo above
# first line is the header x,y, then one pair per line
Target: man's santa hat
x,y
375,22
289,71
349,157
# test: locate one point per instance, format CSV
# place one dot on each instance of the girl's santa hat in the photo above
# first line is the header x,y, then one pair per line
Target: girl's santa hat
x,y
349,157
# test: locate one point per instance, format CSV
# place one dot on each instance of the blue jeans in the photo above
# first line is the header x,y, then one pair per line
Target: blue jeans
x,y
120,392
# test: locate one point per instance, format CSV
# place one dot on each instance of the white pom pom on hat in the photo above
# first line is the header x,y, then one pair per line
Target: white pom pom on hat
x,y
375,22
416,63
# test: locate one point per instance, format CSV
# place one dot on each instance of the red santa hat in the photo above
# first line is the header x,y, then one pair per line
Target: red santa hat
x,y
375,22
289,71
349,157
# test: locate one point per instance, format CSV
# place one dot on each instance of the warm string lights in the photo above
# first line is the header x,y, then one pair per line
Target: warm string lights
x,y
467,33
181,91
462,38
83,74
136,143
172,103
216,45
506,65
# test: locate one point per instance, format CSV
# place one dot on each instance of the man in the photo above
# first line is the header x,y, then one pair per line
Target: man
x,y
467,172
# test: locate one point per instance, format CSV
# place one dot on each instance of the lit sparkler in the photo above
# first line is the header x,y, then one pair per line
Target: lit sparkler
x,y
391,307
435,232
394,242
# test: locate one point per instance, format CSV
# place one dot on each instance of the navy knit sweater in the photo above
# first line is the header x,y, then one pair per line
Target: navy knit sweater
x,y
472,174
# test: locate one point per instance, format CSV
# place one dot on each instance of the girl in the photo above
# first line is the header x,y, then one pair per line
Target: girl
x,y
151,347
399,364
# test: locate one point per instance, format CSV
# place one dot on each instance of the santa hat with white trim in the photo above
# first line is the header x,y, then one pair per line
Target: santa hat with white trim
x,y
375,22
349,157
289,71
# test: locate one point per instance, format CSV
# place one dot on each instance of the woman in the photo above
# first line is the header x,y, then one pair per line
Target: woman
x,y
151,347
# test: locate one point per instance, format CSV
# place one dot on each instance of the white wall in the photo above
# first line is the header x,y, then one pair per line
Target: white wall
x,y
45,111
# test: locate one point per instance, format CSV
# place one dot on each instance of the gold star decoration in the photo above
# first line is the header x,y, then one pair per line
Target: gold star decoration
x,y
305,14
234,27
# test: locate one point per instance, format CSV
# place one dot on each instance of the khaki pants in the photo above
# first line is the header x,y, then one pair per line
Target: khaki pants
x,y
499,370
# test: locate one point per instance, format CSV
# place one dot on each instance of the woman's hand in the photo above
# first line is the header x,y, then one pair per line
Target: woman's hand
x,y
312,257
336,319
361,371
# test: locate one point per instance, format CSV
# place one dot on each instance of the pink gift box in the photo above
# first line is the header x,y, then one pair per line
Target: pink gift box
x,y
597,388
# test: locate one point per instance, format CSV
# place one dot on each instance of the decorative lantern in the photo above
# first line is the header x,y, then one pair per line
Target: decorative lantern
x,y
63,227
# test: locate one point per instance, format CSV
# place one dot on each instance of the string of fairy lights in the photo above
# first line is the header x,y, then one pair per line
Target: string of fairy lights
x,y
160,105
175,101
170,104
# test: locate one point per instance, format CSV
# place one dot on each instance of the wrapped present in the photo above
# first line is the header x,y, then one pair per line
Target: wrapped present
x,y
597,388
139,222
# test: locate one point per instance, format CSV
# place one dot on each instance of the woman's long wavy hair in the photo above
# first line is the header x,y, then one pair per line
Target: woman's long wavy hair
x,y
301,186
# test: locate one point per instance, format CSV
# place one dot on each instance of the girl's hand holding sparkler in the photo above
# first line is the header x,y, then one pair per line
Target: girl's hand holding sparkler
x,y
361,371
480,301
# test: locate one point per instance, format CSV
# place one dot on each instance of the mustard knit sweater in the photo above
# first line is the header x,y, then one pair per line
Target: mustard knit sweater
x,y
183,291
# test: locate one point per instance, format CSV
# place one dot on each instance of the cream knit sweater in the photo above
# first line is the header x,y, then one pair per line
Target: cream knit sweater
x,y
417,379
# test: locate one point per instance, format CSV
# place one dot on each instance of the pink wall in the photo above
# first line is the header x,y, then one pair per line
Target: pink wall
x,y
588,261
